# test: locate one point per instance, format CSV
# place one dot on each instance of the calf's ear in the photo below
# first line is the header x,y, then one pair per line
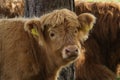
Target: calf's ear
x,y
86,21
33,27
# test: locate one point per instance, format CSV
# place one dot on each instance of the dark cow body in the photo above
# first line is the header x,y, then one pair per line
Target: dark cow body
x,y
103,46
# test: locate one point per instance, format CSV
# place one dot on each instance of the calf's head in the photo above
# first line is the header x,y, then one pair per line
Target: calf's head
x,y
61,33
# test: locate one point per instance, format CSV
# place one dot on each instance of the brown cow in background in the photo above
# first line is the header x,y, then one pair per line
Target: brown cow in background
x,y
11,8
102,54
35,49
4,12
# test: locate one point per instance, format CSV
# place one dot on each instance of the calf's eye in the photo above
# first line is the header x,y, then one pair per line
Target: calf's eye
x,y
52,35
76,31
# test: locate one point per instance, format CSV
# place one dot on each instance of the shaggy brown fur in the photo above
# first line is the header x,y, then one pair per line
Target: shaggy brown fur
x,y
11,8
103,46
6,13
35,49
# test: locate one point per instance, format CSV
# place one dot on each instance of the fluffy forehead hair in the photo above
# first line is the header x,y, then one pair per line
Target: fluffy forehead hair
x,y
58,17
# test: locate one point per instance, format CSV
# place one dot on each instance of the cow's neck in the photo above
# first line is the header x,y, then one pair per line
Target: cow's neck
x,y
50,65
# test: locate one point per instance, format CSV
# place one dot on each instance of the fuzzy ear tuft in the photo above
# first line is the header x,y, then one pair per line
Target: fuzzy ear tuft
x,y
86,21
33,27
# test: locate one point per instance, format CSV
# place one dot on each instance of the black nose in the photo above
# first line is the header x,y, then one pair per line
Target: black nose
x,y
71,51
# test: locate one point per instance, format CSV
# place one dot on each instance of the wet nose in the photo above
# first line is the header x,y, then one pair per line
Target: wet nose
x,y
71,51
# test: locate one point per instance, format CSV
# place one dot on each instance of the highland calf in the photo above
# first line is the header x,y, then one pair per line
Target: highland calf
x,y
102,55
35,49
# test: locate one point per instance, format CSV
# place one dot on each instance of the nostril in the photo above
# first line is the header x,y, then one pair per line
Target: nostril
x,y
67,51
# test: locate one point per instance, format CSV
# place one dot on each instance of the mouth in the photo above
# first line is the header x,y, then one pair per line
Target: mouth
x,y
71,58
